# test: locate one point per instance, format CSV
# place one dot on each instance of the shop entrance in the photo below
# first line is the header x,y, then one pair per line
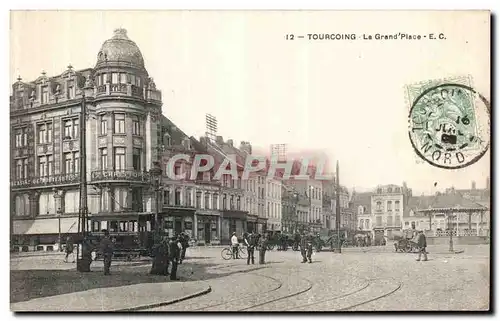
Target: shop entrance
x,y
208,232
178,227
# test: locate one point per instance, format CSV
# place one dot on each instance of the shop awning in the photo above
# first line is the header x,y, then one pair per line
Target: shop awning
x,y
235,214
45,226
252,218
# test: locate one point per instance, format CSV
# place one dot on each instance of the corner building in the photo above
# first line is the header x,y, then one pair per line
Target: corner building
x,y
122,135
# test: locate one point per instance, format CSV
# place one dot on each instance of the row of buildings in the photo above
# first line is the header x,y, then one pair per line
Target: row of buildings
x,y
390,209
126,137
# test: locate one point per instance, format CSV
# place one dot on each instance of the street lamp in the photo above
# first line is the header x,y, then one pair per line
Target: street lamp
x,y
450,232
155,173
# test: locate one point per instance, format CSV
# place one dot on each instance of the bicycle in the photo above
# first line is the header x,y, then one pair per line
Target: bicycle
x,y
227,252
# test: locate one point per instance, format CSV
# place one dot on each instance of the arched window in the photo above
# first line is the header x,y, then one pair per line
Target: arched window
x,y
46,204
71,201
22,207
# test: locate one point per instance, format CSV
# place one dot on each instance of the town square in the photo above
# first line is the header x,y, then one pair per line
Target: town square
x,y
153,172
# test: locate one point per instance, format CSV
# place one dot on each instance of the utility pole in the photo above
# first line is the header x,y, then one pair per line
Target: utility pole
x,y
83,263
337,209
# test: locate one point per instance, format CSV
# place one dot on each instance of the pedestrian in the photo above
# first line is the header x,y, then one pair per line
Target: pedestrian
x,y
251,242
235,244
263,241
174,253
107,251
422,245
184,240
166,255
69,249
306,248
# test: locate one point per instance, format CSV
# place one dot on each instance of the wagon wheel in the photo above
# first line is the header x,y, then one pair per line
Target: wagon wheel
x,y
226,254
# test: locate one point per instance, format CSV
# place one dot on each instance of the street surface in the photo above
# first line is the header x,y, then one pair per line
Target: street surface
x,y
370,279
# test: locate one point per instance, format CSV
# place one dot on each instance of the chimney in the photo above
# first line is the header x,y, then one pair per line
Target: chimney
x,y
230,142
219,140
473,185
246,147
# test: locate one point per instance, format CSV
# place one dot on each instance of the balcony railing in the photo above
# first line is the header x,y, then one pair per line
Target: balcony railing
x,y
121,175
59,179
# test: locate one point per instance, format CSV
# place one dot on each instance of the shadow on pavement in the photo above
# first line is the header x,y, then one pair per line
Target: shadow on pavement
x,y
30,284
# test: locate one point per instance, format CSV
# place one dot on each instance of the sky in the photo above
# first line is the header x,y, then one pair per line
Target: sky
x,y
346,98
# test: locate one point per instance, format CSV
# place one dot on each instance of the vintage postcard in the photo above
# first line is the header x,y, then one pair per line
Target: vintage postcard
x,y
250,161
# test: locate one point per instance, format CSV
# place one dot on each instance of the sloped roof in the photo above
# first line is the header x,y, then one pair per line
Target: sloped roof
x,y
448,201
363,199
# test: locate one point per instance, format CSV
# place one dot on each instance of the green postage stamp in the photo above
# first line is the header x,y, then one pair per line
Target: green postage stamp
x,y
449,122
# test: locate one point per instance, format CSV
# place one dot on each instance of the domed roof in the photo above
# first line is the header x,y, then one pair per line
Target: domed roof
x,y
120,49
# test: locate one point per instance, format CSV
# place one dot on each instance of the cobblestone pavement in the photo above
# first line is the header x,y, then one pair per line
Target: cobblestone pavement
x,y
373,280
370,279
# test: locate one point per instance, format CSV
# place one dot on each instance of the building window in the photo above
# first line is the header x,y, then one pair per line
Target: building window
x,y
119,123
198,199
19,169
166,197
231,202
42,135
389,206
21,137
104,125
45,165
45,95
389,220
123,78
105,200
22,206
136,126
136,159
215,201
379,221
188,197
389,190
71,163
238,203
103,155
397,206
224,202
207,201
115,77
177,197
71,128
119,159
379,206
398,221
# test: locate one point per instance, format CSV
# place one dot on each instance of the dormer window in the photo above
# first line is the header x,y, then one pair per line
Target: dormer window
x,y
71,90
45,95
186,143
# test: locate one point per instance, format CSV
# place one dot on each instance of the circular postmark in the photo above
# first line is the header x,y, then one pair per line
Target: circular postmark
x,y
450,126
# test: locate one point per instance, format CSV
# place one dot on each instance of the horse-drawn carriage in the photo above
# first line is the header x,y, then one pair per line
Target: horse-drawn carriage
x,y
405,242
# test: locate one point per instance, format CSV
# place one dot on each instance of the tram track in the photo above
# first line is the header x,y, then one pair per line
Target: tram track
x,y
280,284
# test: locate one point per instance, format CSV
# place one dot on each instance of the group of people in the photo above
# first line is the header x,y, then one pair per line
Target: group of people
x,y
254,241
169,250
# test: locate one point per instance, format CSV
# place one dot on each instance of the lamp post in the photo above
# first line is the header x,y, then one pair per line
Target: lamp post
x,y
59,228
337,209
450,232
155,173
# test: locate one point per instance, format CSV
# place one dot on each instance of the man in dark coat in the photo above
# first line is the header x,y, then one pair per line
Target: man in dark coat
x,y
184,240
251,243
263,242
174,252
69,249
306,248
107,248
422,244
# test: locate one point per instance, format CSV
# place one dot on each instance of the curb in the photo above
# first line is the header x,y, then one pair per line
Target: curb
x,y
156,305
